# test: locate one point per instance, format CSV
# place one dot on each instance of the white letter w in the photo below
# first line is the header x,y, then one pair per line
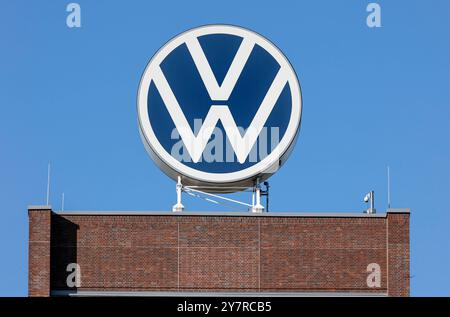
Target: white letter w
x,y
241,145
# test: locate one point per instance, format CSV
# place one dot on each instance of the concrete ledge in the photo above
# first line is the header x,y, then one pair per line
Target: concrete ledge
x,y
39,207
398,211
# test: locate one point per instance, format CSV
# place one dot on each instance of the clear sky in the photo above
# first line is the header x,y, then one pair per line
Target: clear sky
x,y
372,97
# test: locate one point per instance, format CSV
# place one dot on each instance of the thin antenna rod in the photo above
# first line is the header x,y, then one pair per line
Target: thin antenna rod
x,y
389,187
62,202
48,183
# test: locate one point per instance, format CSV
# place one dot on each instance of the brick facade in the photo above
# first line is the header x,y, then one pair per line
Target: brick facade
x,y
219,253
39,251
398,254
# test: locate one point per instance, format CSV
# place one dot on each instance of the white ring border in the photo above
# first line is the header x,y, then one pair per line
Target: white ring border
x,y
249,172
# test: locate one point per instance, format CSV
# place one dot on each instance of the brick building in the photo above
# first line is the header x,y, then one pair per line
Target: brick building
x,y
153,253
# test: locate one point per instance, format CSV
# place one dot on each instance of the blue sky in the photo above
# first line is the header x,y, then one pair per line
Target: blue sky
x,y
372,97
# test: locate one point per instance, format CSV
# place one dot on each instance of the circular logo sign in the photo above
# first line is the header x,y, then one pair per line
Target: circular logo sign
x,y
220,106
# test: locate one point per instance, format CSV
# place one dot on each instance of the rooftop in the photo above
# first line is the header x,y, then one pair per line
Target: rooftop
x,y
359,214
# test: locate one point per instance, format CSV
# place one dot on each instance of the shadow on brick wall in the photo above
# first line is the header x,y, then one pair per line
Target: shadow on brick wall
x,y
63,251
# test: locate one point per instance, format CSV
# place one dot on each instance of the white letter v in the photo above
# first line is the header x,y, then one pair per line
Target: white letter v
x,y
223,91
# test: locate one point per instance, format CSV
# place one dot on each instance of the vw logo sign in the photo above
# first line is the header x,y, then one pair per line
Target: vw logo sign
x,y
220,106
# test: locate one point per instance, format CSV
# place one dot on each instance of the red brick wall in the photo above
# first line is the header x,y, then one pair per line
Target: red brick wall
x,y
398,254
39,251
229,253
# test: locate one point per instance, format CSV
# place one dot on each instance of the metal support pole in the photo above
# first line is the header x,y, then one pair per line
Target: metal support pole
x,y
178,206
372,209
253,197
265,192
257,208
372,204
